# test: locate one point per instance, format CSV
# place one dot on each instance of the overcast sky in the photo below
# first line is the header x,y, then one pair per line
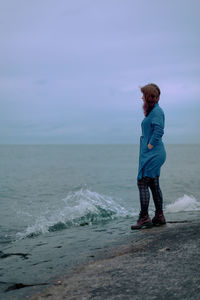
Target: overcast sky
x,y
70,70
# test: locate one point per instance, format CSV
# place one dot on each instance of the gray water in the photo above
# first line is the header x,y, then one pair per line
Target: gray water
x,y
61,204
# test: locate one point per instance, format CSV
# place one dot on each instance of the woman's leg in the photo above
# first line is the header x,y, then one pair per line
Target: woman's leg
x,y
143,220
159,218
156,193
143,186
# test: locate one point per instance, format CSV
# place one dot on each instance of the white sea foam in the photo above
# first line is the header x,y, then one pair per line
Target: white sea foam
x,y
185,203
80,207
84,200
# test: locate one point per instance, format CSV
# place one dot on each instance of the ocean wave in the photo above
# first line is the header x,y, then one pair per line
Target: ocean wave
x,y
185,203
82,207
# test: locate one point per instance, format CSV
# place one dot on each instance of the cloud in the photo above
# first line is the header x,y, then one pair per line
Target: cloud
x,y
73,69
40,81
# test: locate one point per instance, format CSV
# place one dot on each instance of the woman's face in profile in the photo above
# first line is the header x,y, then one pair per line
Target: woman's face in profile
x,y
143,97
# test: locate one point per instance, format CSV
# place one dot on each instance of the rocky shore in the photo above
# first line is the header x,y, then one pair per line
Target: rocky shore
x,y
162,263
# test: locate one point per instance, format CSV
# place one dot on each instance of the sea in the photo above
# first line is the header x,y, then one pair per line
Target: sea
x,y
61,204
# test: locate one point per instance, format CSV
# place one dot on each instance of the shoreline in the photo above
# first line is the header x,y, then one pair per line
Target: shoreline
x,y
158,263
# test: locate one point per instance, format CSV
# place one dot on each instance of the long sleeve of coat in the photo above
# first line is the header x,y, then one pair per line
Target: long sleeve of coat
x,y
157,125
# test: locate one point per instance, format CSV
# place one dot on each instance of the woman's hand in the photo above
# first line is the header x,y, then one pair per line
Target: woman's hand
x,y
150,146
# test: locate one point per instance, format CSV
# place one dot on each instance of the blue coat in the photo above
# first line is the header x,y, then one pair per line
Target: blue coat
x,y
151,160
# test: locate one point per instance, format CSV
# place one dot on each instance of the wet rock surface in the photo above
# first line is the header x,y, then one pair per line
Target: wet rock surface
x,y
5,255
162,263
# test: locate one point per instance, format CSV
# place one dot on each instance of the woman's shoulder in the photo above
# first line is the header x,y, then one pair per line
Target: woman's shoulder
x,y
157,110
157,114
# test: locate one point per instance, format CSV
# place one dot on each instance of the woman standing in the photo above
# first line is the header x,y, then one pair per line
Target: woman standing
x,y
152,156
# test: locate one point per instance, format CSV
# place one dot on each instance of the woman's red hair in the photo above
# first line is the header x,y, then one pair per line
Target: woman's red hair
x,y
151,94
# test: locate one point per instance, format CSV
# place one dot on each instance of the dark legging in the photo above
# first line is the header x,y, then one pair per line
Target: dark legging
x,y
143,185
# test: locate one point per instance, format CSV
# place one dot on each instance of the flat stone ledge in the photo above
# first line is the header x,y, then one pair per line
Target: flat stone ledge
x,y
162,263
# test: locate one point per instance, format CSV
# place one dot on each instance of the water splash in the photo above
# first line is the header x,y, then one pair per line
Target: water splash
x,y
185,203
82,207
